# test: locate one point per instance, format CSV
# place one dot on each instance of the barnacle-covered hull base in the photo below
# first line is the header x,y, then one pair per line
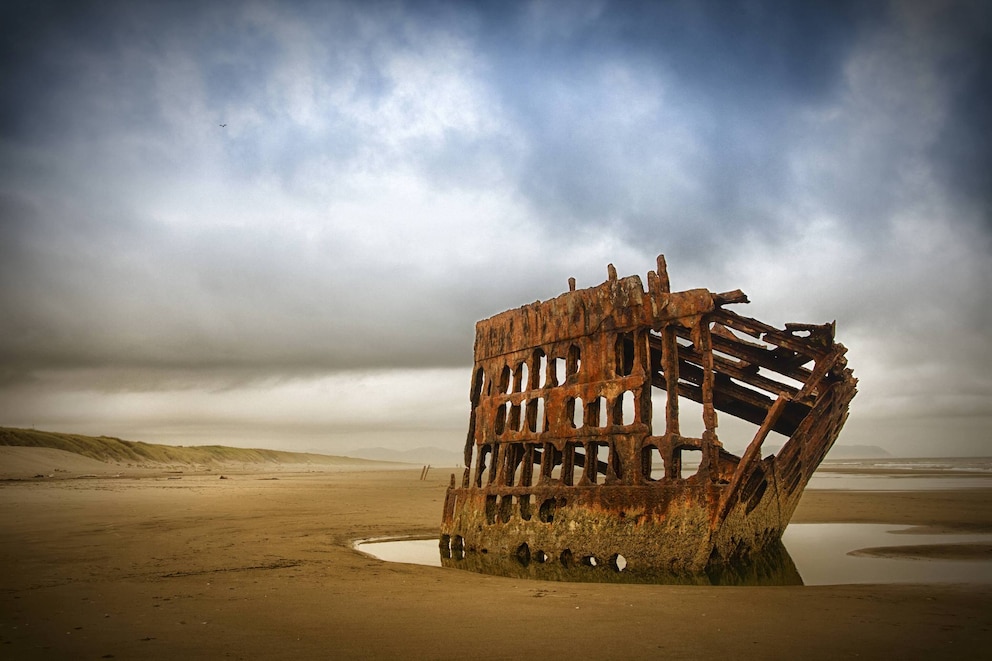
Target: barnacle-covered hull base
x,y
563,464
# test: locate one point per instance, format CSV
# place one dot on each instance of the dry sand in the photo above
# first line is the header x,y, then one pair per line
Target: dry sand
x,y
261,565
22,463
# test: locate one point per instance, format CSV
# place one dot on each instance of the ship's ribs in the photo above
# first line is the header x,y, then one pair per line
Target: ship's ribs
x,y
562,456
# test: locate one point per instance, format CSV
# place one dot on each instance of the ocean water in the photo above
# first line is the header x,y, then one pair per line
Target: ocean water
x,y
895,474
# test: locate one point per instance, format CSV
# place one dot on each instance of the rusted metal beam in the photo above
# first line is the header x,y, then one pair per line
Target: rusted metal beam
x,y
732,369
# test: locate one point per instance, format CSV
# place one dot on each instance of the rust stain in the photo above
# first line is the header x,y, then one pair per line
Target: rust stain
x,y
562,460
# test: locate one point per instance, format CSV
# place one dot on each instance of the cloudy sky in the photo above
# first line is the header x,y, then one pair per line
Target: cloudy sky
x,y
275,224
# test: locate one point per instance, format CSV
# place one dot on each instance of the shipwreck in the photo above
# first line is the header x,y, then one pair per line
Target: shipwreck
x,y
563,465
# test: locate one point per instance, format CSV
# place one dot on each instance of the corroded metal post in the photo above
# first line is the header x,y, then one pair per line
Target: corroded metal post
x,y
561,457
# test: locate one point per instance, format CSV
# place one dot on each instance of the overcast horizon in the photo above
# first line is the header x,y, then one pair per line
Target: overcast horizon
x,y
275,224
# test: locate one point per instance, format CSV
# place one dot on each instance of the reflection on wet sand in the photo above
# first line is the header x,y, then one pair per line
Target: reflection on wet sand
x,y
810,554
775,567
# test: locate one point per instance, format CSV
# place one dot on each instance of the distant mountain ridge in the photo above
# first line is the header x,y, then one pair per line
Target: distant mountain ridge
x,y
422,455
842,451
857,452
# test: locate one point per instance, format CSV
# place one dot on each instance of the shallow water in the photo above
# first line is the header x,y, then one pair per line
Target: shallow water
x,y
973,465
819,551
852,482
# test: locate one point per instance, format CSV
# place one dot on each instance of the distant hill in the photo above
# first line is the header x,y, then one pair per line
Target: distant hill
x,y
842,451
857,452
423,455
116,450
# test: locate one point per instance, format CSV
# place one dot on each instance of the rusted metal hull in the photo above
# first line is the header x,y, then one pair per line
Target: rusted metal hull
x,y
562,462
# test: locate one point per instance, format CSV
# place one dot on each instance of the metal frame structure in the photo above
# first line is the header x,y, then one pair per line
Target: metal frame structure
x,y
562,462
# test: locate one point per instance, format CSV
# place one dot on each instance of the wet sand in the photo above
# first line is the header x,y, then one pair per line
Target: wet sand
x,y
963,551
260,565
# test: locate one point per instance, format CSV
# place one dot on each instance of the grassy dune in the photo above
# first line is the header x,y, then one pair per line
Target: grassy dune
x,y
116,450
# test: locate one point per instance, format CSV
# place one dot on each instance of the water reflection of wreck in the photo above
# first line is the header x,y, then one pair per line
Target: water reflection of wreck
x,y
772,566
561,458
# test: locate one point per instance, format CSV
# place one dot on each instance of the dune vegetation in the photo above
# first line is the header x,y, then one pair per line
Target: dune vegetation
x,y
116,450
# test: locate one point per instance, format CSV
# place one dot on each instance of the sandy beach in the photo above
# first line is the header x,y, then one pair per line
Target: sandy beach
x,y
260,565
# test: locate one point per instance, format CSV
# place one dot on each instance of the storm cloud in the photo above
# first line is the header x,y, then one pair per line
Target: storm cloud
x,y
215,217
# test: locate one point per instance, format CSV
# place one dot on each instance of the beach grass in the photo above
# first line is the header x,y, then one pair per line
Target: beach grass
x,y
115,450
